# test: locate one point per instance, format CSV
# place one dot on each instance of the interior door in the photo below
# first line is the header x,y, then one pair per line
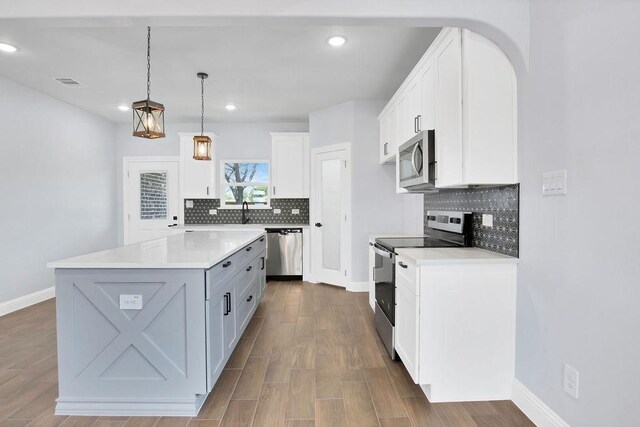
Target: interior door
x,y
330,215
152,199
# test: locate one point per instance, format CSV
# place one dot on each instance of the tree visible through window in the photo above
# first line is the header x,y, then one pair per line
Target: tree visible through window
x,y
246,182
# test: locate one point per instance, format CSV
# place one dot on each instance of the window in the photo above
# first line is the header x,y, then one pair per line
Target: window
x,y
153,195
246,181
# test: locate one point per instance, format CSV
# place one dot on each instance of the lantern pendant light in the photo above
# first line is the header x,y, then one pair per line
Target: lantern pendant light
x,y
148,116
202,143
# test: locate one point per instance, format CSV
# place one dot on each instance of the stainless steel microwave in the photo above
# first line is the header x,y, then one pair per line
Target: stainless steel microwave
x,y
417,164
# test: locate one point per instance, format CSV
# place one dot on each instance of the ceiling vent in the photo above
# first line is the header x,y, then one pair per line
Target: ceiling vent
x,y
69,82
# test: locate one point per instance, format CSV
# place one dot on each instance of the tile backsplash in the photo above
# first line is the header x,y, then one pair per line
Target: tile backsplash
x,y
199,213
502,202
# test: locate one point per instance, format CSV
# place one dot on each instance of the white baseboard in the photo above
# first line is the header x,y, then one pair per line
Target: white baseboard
x,y
26,300
534,408
358,287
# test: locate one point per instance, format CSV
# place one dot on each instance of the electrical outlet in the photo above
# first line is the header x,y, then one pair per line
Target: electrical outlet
x,y
295,211
571,381
554,183
277,211
188,204
213,211
487,220
130,302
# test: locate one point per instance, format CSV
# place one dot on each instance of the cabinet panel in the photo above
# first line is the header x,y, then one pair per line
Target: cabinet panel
x,y
215,340
289,165
428,79
407,321
448,117
229,319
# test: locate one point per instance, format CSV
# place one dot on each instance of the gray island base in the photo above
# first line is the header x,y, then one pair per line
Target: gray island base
x,y
154,338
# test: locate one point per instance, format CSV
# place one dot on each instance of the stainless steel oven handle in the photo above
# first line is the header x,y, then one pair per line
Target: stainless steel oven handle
x,y
382,252
416,169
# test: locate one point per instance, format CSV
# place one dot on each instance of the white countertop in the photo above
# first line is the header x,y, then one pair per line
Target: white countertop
x,y
213,227
199,249
426,256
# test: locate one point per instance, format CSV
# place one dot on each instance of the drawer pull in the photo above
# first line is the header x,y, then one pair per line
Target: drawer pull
x,y
402,264
227,298
226,264
262,259
249,268
249,248
262,239
250,298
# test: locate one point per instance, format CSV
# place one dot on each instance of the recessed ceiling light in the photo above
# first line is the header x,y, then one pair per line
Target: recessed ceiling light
x,y
337,41
7,48
123,107
230,107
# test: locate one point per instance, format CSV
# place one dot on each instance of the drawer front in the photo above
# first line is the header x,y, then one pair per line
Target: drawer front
x,y
221,273
247,277
407,275
252,250
247,306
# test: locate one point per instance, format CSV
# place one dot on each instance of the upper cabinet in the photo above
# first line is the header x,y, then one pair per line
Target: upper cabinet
x,y
197,177
289,165
464,87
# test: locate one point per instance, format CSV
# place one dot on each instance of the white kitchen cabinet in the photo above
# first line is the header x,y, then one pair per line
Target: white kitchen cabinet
x,y
455,327
464,88
448,112
290,165
407,316
197,177
215,315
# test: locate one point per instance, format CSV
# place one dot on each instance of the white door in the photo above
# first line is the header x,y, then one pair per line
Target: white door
x,y
330,215
151,199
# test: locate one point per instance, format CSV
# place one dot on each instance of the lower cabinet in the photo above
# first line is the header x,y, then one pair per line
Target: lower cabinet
x,y
230,306
455,328
407,320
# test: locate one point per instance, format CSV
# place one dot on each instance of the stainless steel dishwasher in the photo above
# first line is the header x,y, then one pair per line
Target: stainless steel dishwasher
x,y
284,252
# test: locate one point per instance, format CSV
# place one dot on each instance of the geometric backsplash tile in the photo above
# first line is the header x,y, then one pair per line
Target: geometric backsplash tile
x,y
502,202
199,213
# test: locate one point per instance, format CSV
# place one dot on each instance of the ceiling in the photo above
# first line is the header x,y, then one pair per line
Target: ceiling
x,y
269,73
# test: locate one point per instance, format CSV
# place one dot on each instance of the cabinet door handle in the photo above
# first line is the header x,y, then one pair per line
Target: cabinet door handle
x,y
229,302
250,298
248,249
207,190
226,264
385,148
274,190
249,268
402,264
262,259
226,304
415,124
419,121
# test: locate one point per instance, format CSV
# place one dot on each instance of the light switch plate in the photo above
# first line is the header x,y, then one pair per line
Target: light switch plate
x,y
295,211
213,211
554,183
188,204
487,220
277,211
130,302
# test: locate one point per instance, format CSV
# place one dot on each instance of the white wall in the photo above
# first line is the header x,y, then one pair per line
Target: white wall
x,y
57,186
376,208
578,280
234,141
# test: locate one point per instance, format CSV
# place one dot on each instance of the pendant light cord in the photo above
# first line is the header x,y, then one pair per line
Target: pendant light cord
x,y
202,110
148,63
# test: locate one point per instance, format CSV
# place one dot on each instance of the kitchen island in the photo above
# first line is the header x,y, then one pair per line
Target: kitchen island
x,y
146,329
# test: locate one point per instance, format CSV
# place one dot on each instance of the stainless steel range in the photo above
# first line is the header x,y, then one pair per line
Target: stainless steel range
x,y
446,229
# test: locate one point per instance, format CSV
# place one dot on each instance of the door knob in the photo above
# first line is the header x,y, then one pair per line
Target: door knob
x,y
318,224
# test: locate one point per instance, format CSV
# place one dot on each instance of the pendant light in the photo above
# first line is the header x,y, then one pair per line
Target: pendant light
x,y
202,143
148,116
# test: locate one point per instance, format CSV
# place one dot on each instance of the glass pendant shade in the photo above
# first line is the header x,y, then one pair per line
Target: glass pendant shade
x,y
148,119
201,147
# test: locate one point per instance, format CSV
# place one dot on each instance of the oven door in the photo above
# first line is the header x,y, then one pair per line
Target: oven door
x,y
383,276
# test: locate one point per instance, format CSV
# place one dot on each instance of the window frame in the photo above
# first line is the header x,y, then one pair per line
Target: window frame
x,y
223,184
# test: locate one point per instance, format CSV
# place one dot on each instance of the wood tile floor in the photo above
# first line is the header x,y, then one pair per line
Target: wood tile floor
x,y
310,356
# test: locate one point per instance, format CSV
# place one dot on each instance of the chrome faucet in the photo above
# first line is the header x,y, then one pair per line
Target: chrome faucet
x,y
245,218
